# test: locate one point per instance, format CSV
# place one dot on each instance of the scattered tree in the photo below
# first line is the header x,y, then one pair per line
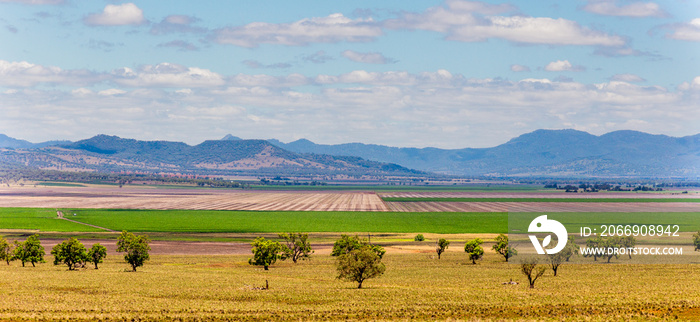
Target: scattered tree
x,y
419,238
96,254
5,251
533,271
265,252
592,244
611,242
570,249
696,241
135,247
346,244
555,260
628,242
359,265
297,247
502,247
474,249
69,252
29,251
441,245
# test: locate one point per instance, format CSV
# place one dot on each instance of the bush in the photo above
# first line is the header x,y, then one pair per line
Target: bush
x,y
69,252
419,238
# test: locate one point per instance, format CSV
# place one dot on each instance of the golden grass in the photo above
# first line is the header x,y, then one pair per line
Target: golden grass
x,y
415,286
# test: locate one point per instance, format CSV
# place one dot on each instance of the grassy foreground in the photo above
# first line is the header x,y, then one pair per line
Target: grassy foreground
x,y
415,286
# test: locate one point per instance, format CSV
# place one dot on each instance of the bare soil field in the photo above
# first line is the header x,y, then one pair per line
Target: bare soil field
x,y
196,199
429,206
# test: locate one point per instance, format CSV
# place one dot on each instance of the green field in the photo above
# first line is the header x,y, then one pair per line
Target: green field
x,y
592,200
398,188
60,184
38,219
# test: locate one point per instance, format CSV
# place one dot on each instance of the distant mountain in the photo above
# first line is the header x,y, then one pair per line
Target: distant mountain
x,y
8,142
230,137
112,153
540,153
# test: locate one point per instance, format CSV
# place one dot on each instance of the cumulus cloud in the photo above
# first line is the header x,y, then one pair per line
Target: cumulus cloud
x,y
470,21
116,15
367,58
519,68
25,74
331,29
563,66
685,31
630,78
181,45
634,9
166,75
177,24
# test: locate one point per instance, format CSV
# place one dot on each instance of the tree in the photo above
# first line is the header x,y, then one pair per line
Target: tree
x,y
29,251
347,244
474,249
69,252
419,238
611,242
135,247
593,244
96,254
5,251
555,260
533,271
696,241
265,252
441,246
359,265
628,242
570,249
502,247
297,247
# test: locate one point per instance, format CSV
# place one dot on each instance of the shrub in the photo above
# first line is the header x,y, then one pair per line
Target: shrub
x,y
419,238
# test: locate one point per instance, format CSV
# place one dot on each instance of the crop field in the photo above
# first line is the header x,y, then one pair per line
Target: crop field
x,y
443,206
415,286
224,199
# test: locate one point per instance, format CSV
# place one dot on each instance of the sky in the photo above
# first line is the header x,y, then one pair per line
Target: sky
x,y
447,74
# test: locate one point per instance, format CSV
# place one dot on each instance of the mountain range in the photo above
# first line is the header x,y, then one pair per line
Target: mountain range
x,y
542,153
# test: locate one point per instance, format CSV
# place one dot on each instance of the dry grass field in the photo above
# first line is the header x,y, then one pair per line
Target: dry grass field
x,y
415,286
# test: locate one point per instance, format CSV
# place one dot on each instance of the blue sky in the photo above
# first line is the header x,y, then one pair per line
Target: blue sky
x,y
448,74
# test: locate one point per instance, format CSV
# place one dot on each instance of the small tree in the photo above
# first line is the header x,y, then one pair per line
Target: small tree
x,y
297,247
533,271
265,252
359,265
474,249
347,244
628,242
29,251
69,252
611,242
5,251
593,244
696,241
570,249
419,238
135,247
96,254
441,245
502,247
555,260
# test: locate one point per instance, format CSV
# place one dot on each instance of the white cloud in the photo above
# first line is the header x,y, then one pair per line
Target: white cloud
x,y
167,75
685,31
25,74
367,58
117,15
177,24
519,68
630,78
111,92
562,66
331,29
634,9
469,23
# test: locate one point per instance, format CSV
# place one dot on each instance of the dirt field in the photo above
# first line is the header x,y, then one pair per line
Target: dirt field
x,y
142,198
543,206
